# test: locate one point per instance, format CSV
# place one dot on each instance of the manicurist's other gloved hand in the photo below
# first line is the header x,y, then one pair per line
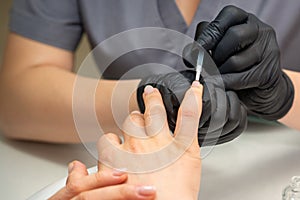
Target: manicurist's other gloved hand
x,y
246,52
223,117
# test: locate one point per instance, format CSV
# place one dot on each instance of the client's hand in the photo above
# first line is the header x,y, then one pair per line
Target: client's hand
x,y
102,185
182,176
174,177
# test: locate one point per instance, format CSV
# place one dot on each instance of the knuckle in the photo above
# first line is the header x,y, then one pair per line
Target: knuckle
x,y
156,110
236,33
125,192
231,9
191,114
83,196
73,186
233,62
98,176
136,119
214,30
133,145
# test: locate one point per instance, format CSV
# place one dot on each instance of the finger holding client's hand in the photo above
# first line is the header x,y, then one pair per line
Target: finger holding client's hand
x,y
149,133
108,184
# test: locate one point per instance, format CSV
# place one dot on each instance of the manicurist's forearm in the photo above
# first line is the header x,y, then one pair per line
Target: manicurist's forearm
x,y
292,118
37,104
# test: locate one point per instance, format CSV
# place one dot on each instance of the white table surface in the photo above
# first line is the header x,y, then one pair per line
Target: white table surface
x,y
256,166
27,167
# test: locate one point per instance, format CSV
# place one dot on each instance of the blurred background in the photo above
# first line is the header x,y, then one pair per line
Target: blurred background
x,y
4,11
5,5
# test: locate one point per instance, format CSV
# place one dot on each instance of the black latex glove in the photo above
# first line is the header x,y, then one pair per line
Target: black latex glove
x,y
223,117
247,54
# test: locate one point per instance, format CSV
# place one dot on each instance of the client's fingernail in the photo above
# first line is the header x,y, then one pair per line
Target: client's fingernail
x,y
119,172
135,112
196,84
71,167
146,190
148,89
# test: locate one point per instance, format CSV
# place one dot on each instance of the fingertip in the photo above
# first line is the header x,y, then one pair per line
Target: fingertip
x,y
151,96
71,167
77,166
196,84
200,27
119,172
135,112
148,89
146,191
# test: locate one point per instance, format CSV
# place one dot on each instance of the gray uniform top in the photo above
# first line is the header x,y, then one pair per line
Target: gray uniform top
x,y
61,24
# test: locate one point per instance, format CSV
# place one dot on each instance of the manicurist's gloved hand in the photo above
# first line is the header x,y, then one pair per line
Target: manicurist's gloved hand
x,y
247,54
223,117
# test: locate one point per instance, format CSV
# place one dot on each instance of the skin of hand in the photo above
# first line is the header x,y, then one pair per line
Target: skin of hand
x,y
184,174
291,119
104,185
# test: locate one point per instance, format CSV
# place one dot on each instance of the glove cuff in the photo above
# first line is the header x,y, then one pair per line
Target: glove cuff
x,y
283,105
289,100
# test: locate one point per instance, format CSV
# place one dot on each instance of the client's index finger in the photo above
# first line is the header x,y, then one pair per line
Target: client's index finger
x,y
155,114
